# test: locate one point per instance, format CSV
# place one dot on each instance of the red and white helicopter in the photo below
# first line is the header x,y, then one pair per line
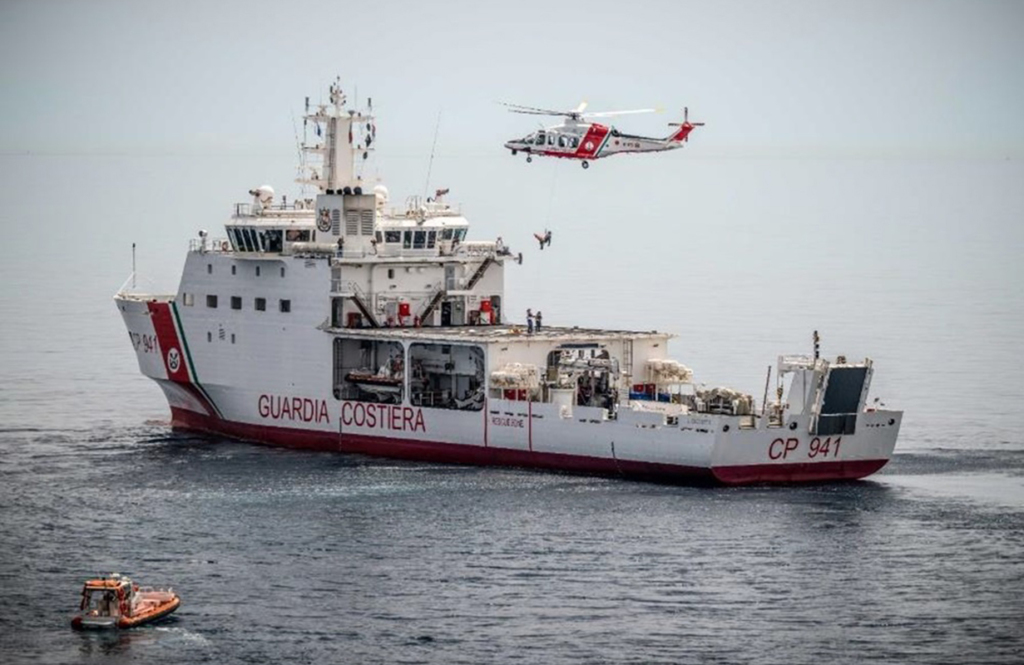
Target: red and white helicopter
x,y
577,138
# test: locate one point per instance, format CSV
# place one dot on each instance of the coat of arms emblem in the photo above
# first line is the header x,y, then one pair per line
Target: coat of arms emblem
x,y
323,221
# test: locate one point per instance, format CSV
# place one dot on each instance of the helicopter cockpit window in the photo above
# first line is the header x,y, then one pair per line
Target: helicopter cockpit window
x,y
540,138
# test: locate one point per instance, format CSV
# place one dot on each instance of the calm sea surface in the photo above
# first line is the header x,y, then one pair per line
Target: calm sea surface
x,y
285,556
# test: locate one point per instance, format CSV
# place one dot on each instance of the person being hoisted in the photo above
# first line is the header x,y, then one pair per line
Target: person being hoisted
x,y
543,239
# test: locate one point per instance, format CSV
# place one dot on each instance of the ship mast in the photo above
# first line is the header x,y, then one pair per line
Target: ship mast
x,y
345,139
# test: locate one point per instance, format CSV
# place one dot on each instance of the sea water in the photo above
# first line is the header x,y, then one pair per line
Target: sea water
x,y
290,556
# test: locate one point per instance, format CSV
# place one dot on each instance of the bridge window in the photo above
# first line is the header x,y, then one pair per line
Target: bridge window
x,y
392,236
446,234
419,239
431,239
407,240
460,234
211,301
260,304
271,240
296,235
249,240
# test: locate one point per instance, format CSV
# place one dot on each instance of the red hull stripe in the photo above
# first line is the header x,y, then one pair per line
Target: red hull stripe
x,y
437,452
176,356
170,347
797,473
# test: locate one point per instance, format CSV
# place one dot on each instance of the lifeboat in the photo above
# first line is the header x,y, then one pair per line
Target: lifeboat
x,y
384,385
117,602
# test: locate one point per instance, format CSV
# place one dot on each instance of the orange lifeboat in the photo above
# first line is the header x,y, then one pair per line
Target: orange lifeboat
x,y
117,602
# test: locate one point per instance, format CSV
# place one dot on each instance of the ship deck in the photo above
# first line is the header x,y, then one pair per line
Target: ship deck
x,y
499,333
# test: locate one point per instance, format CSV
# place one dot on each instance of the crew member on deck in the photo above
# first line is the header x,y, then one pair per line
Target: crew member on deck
x,y
538,317
529,321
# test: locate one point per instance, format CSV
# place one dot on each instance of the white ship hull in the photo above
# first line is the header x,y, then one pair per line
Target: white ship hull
x,y
697,448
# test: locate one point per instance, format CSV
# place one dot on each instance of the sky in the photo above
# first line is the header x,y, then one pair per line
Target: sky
x,y
791,77
859,172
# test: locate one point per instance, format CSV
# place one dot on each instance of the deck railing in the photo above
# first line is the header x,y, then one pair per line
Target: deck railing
x,y
209,245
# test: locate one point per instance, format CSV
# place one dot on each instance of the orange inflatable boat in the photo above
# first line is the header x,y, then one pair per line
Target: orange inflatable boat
x,y
117,602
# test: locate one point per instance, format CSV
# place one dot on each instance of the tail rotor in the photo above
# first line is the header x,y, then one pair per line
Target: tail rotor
x,y
686,124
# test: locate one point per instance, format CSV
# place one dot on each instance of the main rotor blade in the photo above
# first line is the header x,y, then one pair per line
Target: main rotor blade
x,y
518,108
608,114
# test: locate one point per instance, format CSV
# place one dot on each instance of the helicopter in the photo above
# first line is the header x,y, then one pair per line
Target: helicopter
x,y
578,138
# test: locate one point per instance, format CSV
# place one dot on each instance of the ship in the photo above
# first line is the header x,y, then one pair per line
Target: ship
x,y
343,322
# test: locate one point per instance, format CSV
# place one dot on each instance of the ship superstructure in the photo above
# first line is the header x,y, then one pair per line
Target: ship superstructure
x,y
345,323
